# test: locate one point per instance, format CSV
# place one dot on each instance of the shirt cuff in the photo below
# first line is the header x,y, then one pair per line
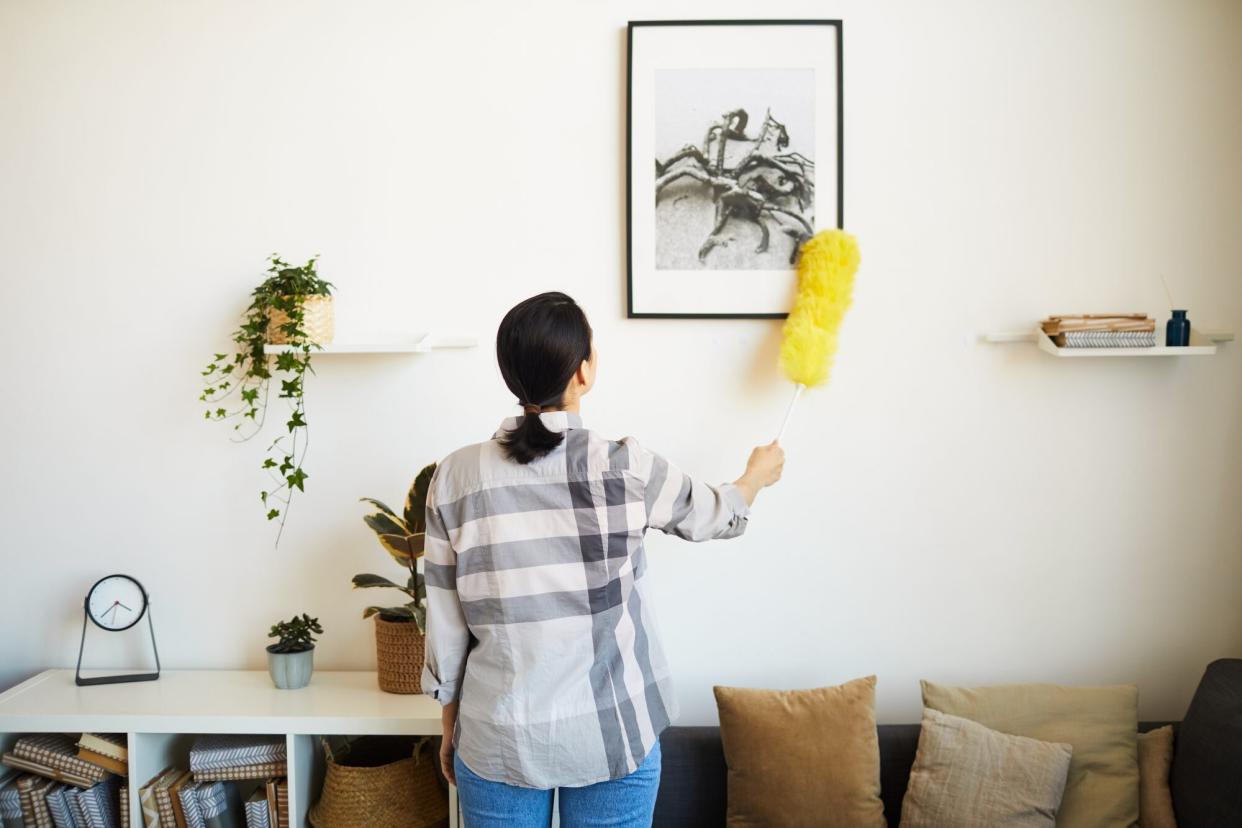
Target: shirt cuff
x,y
445,692
733,497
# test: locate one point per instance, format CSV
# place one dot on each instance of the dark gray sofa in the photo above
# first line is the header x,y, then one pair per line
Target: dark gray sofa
x,y
693,779
1206,780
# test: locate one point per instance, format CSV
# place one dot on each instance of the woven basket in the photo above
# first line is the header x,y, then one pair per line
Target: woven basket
x,y
377,782
399,652
318,321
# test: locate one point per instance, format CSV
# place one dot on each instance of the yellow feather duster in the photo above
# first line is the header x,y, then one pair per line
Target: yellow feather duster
x,y
826,268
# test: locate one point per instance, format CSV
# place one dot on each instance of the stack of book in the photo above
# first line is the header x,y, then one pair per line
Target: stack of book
x,y
218,758
173,798
1112,330
59,788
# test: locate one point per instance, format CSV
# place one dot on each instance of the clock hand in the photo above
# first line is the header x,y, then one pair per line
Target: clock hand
x,y
127,608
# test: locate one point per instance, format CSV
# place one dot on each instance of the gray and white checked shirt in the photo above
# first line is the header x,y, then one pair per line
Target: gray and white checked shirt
x,y
536,615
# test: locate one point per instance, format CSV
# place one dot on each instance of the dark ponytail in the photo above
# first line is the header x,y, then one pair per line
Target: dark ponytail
x,y
540,344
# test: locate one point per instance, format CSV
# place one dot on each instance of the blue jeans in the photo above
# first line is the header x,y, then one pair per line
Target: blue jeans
x,y
627,802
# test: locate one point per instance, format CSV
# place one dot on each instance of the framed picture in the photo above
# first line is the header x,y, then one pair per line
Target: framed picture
x,y
734,159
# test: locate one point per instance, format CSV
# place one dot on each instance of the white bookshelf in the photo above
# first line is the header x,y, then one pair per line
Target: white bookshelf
x,y
161,718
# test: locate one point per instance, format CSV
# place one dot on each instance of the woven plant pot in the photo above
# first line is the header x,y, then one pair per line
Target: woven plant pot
x,y
318,320
399,652
375,781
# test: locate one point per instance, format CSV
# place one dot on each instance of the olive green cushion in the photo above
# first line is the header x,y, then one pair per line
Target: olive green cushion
x,y
1099,723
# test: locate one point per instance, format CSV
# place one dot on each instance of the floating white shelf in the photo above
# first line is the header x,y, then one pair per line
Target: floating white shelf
x,y
1202,343
423,345
161,718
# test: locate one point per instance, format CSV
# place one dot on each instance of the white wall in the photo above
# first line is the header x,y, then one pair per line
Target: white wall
x,y
954,511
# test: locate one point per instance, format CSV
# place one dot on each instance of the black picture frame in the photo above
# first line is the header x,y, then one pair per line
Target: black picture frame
x,y
838,28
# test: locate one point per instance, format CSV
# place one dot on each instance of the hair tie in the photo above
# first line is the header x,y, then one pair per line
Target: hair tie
x,y
530,408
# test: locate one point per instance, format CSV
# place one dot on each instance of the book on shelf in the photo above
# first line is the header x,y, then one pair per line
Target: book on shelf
x,y
46,771
32,789
107,750
1054,325
58,751
221,805
241,773
188,794
150,803
174,794
256,809
282,803
1106,339
10,801
269,789
100,805
162,791
60,808
222,752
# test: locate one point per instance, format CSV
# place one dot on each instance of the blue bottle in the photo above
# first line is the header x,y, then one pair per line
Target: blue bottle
x,y
1177,332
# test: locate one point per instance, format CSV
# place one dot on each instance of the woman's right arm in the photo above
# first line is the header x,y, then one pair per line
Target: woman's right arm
x,y
681,506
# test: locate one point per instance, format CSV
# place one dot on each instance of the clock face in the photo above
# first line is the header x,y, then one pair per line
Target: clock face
x,y
116,602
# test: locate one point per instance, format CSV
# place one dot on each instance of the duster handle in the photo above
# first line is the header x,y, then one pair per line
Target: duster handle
x,y
798,389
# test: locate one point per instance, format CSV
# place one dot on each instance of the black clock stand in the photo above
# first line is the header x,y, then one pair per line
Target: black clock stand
x,y
85,682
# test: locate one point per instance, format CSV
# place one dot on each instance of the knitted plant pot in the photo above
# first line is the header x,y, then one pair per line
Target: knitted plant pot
x,y
318,321
399,652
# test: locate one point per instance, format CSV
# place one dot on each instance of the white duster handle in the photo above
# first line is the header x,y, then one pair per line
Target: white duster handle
x,y
798,389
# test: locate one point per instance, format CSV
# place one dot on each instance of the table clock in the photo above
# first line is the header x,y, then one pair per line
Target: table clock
x,y
114,604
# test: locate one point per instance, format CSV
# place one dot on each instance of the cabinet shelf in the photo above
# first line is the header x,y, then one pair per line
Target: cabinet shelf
x,y
1202,343
423,345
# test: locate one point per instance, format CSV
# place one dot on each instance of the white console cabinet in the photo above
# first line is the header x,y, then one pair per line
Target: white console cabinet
x,y
162,717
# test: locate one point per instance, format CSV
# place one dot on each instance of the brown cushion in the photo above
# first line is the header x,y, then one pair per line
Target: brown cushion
x,y
802,757
966,775
1100,723
1155,759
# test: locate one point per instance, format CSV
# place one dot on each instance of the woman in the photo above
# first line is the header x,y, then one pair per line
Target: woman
x,y
540,642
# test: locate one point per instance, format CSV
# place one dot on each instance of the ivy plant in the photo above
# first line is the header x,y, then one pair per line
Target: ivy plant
x,y
237,387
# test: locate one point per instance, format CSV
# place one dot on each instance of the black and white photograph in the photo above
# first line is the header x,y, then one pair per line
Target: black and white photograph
x,y
735,168
734,160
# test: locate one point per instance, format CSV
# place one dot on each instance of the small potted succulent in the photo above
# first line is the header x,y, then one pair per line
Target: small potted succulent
x,y
291,659
399,629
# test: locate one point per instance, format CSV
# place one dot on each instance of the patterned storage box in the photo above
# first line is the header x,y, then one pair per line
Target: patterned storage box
x,y
101,804
221,752
10,802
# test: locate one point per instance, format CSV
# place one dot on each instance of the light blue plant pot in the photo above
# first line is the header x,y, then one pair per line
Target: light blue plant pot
x,y
291,671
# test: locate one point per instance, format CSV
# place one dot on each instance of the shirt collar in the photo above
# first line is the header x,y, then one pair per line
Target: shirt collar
x,y
555,421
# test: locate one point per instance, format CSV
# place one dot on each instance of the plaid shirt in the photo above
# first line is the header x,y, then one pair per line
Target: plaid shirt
x,y
536,614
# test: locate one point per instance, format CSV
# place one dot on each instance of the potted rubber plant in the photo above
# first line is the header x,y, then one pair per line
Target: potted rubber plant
x,y
291,660
291,308
400,628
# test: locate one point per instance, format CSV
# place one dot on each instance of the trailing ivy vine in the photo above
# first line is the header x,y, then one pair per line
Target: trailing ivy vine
x,y
237,387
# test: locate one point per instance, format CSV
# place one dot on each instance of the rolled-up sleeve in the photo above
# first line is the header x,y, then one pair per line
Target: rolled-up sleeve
x,y
448,638
689,509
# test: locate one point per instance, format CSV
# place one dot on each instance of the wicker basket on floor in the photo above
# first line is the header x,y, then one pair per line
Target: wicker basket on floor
x,y
375,781
399,652
318,321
